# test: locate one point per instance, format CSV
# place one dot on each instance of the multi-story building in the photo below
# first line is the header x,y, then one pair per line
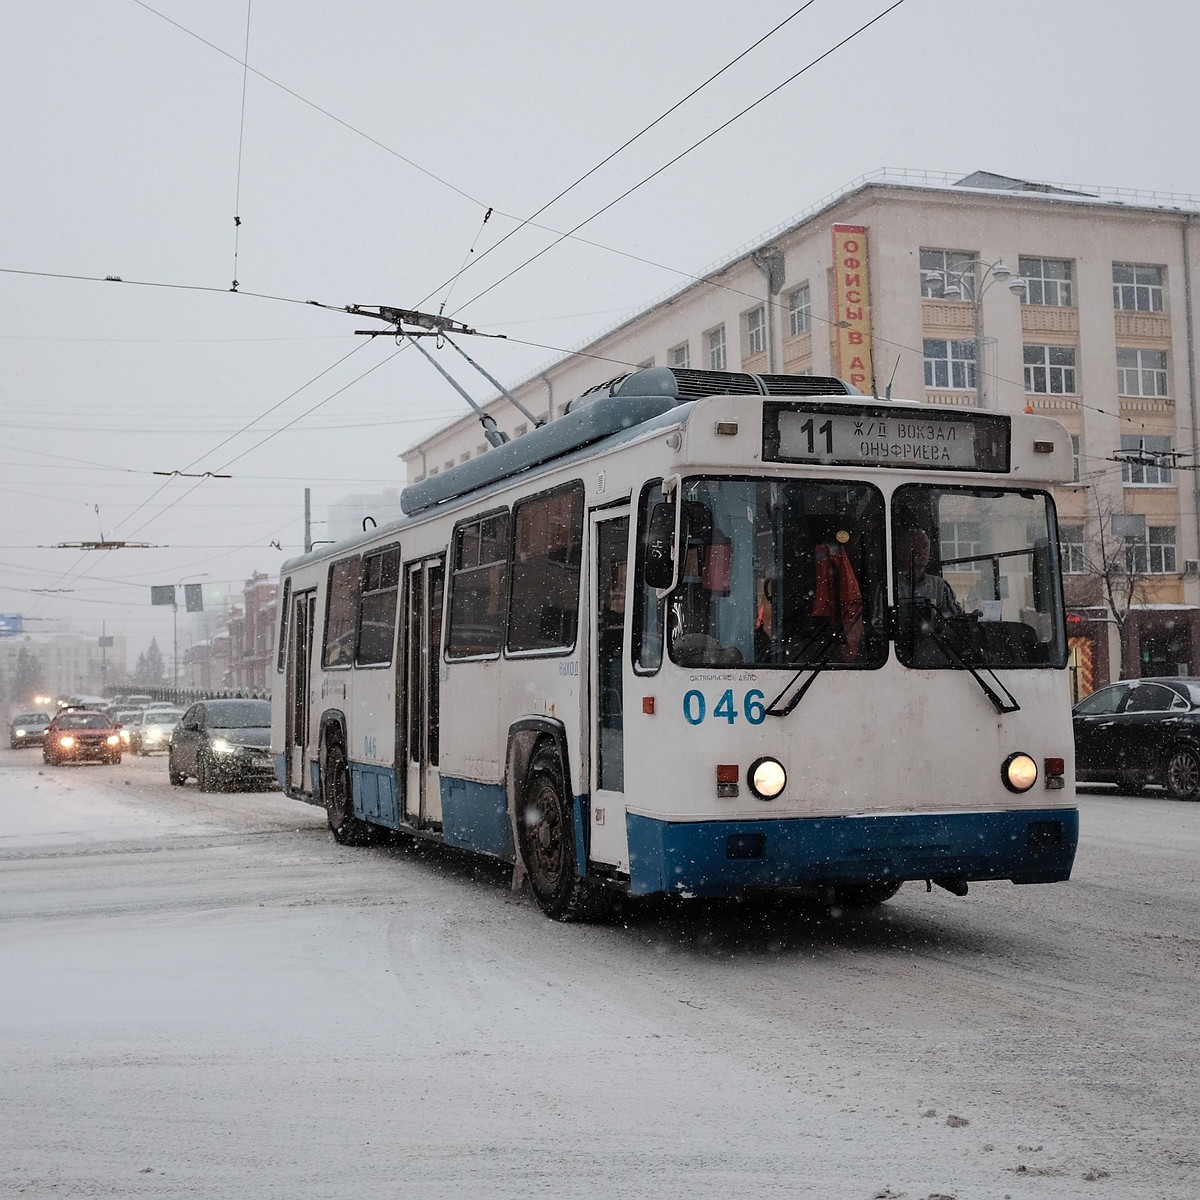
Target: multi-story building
x,y
1074,302
252,638
62,664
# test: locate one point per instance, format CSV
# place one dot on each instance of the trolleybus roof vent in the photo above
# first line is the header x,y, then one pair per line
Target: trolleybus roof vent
x,y
683,385
606,410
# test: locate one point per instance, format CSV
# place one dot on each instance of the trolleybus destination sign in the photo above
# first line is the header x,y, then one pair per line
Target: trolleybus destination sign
x,y
884,436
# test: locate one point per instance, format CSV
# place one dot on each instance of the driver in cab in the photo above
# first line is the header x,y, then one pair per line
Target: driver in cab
x,y
914,583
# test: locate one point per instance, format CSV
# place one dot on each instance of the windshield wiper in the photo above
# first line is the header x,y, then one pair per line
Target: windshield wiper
x,y
825,641
930,630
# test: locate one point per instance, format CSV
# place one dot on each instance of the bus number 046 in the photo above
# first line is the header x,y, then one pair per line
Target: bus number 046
x,y
695,707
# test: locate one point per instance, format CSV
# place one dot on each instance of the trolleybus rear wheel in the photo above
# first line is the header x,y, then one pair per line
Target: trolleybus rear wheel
x,y
546,833
339,806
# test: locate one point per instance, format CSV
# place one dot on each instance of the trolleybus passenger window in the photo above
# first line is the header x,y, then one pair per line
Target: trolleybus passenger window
x,y
377,611
284,613
479,572
341,612
543,611
976,578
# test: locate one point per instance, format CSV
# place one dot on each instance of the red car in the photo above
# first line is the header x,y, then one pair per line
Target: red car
x,y
81,734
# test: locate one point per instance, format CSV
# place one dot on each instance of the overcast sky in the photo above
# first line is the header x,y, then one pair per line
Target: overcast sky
x,y
361,151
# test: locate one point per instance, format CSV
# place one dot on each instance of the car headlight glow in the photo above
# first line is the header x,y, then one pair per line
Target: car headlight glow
x,y
113,739
1019,772
19,732
766,778
66,741
221,746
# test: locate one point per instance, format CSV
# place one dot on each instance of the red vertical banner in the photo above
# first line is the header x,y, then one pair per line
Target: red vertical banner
x,y
852,306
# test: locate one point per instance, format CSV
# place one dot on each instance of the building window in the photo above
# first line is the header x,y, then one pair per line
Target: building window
x,y
800,310
959,539
1137,288
1075,458
1048,281
478,578
1050,370
1153,555
1141,372
948,274
543,610
949,364
680,356
714,339
1070,544
756,331
1153,468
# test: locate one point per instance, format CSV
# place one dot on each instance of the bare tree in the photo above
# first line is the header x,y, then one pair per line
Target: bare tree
x,y
1115,575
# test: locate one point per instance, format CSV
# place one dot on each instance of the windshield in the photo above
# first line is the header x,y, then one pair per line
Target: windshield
x,y
975,578
162,716
251,714
782,573
83,721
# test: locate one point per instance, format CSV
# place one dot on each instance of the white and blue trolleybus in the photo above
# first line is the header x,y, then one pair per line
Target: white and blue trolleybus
x,y
706,633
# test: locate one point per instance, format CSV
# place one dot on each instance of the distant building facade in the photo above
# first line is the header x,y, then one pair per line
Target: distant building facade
x,y
67,664
909,284
350,515
252,637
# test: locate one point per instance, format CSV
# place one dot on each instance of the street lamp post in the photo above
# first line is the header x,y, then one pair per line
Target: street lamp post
x,y
963,283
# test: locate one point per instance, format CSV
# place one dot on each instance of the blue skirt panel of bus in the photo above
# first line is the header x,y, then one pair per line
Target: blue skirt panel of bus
x,y
374,792
721,858
475,817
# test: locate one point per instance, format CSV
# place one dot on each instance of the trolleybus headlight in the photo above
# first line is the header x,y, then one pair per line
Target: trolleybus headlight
x,y
766,778
1019,772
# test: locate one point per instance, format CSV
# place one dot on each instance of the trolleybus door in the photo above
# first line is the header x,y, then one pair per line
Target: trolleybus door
x,y
610,557
299,697
417,707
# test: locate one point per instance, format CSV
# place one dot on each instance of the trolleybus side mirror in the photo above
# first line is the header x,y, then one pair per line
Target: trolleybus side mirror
x,y
660,546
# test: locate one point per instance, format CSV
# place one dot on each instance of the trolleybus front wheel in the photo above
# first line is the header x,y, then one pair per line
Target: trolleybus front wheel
x,y
545,830
335,788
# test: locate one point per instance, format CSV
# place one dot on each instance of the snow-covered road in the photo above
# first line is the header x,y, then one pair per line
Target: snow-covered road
x,y
204,996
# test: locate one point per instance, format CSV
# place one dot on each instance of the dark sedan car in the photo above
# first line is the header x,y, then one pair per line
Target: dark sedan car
x,y
223,743
79,735
1141,731
27,729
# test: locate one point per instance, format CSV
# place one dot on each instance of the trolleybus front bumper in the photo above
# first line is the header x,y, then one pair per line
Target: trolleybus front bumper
x,y
724,858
